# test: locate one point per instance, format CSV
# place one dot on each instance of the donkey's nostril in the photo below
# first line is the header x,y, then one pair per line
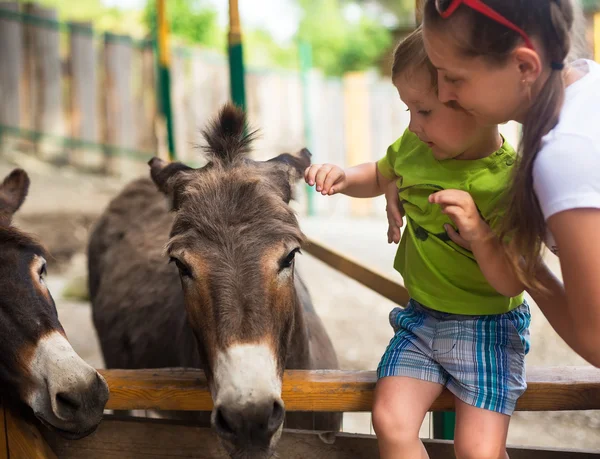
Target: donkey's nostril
x,y
67,401
222,424
276,417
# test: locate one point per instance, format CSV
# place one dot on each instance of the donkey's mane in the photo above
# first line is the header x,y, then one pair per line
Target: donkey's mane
x,y
226,136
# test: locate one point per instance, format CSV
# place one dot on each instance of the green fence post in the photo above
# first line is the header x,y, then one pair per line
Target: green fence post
x,y
305,55
236,57
164,74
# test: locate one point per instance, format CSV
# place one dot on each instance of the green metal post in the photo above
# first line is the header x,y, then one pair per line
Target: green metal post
x,y
443,425
305,54
164,74
236,57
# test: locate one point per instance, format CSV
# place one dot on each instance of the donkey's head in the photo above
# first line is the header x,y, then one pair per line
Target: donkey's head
x,y
37,363
234,239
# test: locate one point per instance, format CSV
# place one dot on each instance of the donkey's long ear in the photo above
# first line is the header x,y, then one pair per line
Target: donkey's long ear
x,y
13,192
164,174
287,170
297,162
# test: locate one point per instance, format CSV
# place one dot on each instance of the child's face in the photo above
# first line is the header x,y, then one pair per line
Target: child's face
x,y
449,132
493,94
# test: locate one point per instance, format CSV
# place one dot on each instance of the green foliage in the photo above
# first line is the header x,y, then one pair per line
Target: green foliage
x,y
590,5
194,21
340,45
116,20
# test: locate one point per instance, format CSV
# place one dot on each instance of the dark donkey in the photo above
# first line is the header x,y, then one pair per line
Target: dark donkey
x,y
38,366
232,239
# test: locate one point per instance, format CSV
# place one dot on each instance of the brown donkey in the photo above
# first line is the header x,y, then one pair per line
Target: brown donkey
x,y
232,239
38,366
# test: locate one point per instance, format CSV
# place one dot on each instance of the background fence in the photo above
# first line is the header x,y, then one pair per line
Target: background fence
x,y
76,97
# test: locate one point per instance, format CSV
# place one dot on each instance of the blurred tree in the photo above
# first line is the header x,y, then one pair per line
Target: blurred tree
x,y
115,20
340,43
194,21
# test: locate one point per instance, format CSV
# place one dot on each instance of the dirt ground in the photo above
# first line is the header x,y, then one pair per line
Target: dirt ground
x,y
63,204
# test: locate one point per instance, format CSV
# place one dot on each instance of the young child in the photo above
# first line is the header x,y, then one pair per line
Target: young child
x,y
466,325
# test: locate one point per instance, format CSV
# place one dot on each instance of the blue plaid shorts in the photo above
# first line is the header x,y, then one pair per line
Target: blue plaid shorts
x,y
480,359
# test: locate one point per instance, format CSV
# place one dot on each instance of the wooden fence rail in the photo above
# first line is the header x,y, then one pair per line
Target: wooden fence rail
x,y
549,389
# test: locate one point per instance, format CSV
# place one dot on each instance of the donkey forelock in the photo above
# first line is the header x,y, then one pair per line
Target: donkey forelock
x,y
226,137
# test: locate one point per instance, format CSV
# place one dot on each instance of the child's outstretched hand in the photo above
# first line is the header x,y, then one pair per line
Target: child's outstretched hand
x,y
461,208
327,178
394,212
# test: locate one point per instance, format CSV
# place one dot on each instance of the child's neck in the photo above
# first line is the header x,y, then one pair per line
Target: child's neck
x,y
487,142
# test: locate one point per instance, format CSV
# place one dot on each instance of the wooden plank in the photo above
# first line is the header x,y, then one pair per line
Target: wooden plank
x,y
12,65
368,277
149,438
357,129
24,439
146,102
550,389
84,94
3,432
118,113
46,81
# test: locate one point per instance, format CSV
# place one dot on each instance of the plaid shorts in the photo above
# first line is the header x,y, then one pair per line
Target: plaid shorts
x,y
480,359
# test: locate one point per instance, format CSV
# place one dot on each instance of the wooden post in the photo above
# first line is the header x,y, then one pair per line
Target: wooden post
x,y
146,100
84,94
24,439
3,433
119,127
358,129
10,69
597,37
46,108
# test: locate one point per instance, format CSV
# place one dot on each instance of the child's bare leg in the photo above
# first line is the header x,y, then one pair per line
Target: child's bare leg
x,y
480,434
399,408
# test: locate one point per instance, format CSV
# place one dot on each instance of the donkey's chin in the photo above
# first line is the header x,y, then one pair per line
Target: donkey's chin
x,y
67,434
248,453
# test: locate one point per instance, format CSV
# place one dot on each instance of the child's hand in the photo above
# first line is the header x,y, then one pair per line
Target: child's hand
x,y
328,178
461,208
394,212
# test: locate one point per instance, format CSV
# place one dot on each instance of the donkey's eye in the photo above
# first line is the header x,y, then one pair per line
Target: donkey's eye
x,y
289,259
184,271
42,272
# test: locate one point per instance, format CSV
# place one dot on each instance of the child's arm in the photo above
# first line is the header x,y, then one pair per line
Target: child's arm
x,y
489,252
394,211
362,181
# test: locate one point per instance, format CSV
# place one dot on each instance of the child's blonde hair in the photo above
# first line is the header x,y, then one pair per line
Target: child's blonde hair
x,y
410,56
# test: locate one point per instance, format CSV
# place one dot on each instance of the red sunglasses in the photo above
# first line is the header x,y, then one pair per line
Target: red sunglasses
x,y
447,7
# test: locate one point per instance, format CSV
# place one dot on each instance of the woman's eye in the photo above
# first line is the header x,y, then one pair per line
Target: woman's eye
x,y
184,271
289,259
450,80
424,112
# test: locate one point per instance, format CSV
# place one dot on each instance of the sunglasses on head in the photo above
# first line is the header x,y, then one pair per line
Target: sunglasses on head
x,y
446,7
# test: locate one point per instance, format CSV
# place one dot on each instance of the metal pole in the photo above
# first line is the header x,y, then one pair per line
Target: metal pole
x,y
305,55
236,58
164,74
